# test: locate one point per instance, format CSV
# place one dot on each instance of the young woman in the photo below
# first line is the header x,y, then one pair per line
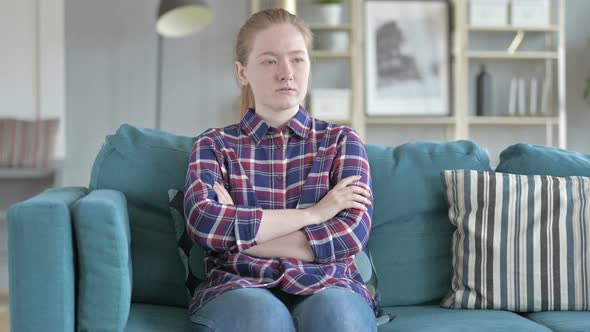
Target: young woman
x,y
281,201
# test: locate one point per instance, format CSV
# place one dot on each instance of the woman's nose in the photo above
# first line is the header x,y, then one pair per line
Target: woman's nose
x,y
285,74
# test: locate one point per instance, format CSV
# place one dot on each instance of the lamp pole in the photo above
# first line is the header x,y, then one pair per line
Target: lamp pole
x,y
176,18
159,84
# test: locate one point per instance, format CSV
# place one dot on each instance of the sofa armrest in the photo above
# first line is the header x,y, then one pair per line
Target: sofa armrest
x,y
101,228
41,261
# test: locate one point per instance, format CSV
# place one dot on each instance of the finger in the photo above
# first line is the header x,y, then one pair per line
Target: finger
x,y
225,194
220,197
220,189
359,206
346,181
221,193
361,199
360,190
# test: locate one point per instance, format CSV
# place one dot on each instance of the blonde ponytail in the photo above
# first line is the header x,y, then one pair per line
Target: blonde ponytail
x,y
246,99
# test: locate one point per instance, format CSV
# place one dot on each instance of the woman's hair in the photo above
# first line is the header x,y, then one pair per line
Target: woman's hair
x,y
257,22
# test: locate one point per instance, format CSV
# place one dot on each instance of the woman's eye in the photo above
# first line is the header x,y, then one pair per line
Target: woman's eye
x,y
298,60
269,62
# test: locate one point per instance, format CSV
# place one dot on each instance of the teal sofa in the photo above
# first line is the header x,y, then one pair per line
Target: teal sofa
x,y
104,258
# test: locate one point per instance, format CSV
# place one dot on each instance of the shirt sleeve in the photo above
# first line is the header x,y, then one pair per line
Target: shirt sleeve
x,y
212,225
347,233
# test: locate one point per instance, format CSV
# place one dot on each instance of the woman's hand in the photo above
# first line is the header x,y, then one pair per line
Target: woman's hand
x,y
343,196
222,195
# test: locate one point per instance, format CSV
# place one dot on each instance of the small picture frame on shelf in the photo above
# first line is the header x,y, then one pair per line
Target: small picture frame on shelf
x,y
407,57
488,13
331,104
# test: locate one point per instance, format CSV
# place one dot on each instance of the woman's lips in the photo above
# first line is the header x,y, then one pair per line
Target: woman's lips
x,y
286,91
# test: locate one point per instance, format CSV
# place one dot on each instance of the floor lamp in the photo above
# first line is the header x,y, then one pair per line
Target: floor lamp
x,y
176,18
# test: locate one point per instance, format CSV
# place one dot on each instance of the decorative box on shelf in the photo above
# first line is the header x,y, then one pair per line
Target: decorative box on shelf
x,y
331,104
488,13
530,13
27,144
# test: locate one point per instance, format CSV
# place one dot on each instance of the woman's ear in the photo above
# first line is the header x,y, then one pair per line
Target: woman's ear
x,y
241,73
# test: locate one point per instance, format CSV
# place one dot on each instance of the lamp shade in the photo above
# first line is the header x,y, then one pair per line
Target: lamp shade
x,y
179,18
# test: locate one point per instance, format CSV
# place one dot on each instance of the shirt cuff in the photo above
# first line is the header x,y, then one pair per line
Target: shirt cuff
x,y
246,223
320,239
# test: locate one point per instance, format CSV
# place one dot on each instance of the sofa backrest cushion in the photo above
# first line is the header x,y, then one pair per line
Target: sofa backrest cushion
x,y
530,159
143,164
411,233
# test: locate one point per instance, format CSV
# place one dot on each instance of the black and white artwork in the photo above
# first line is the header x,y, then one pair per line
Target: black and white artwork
x,y
407,57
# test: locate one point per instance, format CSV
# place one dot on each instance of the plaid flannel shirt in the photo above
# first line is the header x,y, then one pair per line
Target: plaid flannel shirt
x,y
263,167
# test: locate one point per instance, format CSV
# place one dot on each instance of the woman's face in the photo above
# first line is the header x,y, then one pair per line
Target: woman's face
x,y
277,69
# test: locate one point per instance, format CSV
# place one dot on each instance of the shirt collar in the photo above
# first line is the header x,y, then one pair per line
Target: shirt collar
x,y
256,128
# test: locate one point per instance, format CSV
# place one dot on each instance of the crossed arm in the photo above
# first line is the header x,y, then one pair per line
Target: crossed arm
x,y
335,228
271,242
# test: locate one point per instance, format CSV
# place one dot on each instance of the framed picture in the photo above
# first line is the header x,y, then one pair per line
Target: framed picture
x,y
407,57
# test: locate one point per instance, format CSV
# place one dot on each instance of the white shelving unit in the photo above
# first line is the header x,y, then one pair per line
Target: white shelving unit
x,y
550,28
498,55
24,173
460,123
553,58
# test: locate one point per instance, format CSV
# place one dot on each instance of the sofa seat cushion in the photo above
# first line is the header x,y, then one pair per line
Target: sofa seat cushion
x,y
149,317
435,318
563,321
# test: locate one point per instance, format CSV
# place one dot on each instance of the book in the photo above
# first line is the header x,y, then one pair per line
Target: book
x,y
545,95
521,97
512,97
533,97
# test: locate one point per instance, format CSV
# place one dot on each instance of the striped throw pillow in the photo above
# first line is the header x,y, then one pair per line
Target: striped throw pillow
x,y
522,242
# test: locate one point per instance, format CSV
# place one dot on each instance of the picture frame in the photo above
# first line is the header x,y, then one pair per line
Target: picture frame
x,y
407,57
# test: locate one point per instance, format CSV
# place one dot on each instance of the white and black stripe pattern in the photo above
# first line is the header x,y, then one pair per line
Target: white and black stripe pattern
x,y
521,242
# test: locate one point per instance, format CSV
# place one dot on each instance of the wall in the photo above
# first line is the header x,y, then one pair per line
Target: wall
x,y
577,70
111,73
110,79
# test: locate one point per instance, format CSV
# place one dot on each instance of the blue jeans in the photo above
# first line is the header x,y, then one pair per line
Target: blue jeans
x,y
261,309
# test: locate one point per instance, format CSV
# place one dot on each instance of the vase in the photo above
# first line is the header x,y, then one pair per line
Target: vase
x,y
331,14
335,41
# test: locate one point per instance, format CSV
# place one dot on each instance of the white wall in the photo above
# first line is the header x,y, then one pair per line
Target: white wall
x,y
577,70
111,73
111,70
32,62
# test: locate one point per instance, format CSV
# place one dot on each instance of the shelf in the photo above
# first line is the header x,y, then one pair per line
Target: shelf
x,y
506,55
509,28
411,120
25,173
513,120
331,55
329,27
337,121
